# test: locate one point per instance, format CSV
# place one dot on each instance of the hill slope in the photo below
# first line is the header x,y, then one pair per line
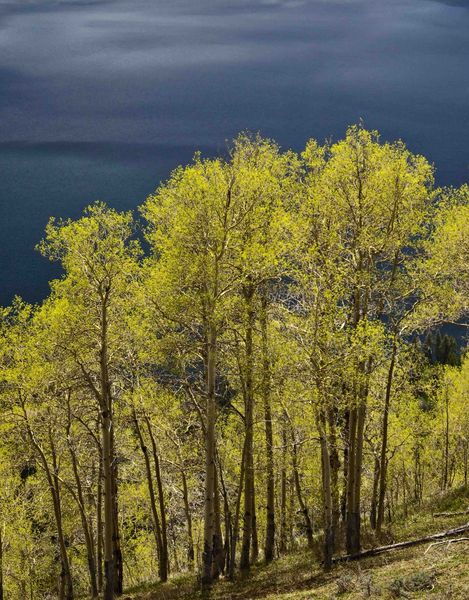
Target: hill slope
x,y
425,571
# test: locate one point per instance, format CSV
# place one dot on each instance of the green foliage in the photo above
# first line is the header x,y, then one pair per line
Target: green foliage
x,y
337,259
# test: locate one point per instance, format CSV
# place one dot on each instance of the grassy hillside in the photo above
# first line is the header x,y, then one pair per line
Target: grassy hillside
x,y
439,572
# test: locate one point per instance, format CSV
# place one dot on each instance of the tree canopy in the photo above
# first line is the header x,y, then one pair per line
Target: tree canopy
x,y
272,371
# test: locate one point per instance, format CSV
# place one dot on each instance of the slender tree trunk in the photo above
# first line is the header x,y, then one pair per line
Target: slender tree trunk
x,y
346,439
66,582
159,482
85,525
117,551
446,456
269,443
383,462
218,556
283,487
108,507
99,525
416,473
374,494
151,493
404,492
356,515
249,423
466,444
209,513
1,562
304,509
235,532
291,511
255,539
108,457
326,493
79,498
173,547
188,515
349,518
335,467
357,427
67,575
226,552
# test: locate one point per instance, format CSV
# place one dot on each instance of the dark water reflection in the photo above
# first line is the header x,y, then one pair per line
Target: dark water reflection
x,y
103,98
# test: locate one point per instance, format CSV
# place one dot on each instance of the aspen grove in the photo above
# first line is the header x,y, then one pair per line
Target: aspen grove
x,y
259,360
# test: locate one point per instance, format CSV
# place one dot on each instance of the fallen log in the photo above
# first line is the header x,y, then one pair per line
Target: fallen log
x,y
447,542
452,514
401,545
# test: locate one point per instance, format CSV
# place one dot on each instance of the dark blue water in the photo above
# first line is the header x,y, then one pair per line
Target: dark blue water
x,y
101,99
60,180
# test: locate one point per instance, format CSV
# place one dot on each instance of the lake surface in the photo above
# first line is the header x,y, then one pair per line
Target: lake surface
x,y
101,99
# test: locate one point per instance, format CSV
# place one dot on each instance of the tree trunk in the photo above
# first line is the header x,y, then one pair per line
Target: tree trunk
x,y
117,551
349,516
326,493
218,556
79,498
356,539
465,453
209,512
269,444
108,507
283,487
188,515
401,545
346,439
1,562
249,423
107,439
151,493
86,529
304,509
357,427
226,552
383,463
159,482
255,539
446,456
66,582
235,531
374,494
335,467
99,525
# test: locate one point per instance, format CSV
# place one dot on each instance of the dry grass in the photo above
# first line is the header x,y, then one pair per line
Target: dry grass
x,y
440,573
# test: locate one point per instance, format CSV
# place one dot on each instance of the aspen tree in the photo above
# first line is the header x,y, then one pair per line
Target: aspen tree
x,y
192,220
89,306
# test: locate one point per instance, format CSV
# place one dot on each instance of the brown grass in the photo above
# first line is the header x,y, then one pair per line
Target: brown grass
x,y
440,573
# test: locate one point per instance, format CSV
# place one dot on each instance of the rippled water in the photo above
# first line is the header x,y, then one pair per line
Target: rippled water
x,y
100,99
